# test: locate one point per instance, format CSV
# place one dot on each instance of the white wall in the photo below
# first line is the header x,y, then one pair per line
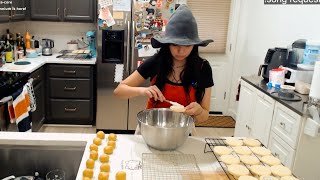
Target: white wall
x,y
265,26
60,32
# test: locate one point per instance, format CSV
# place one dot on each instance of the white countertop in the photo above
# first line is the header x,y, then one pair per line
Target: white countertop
x,y
128,147
40,61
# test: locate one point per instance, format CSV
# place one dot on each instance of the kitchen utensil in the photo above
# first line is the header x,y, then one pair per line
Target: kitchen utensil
x,y
276,76
56,174
173,103
173,166
164,129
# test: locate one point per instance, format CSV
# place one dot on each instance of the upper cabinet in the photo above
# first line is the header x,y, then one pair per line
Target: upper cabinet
x,y
15,10
49,10
63,10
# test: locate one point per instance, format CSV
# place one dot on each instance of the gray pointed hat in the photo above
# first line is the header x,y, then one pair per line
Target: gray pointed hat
x,y
181,29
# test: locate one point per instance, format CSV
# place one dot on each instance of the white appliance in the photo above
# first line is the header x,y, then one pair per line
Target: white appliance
x,y
126,44
294,75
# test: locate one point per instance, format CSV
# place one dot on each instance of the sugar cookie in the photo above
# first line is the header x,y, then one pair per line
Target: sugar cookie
x,y
177,108
242,150
222,150
288,178
270,160
247,178
249,160
251,142
230,159
261,151
234,142
260,170
280,170
268,178
238,170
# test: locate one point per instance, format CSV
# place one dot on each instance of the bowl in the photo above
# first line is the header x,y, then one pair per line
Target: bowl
x,y
163,129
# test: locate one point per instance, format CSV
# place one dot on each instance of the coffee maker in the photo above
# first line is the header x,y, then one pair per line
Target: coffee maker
x,y
275,57
47,45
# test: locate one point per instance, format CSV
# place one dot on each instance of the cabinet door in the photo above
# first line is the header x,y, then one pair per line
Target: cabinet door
x,y
5,14
19,11
78,10
38,116
262,118
245,108
45,9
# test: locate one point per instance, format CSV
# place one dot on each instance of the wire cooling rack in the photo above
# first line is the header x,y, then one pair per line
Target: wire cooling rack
x,y
211,142
170,166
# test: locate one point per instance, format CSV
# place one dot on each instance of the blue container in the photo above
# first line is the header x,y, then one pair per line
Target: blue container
x,y
311,53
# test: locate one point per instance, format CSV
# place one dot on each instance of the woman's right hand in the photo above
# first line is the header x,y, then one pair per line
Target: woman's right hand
x,y
153,92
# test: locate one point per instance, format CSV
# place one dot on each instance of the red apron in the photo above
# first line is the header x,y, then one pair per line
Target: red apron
x,y
174,93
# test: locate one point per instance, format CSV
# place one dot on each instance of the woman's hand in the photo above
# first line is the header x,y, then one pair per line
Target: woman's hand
x,y
153,92
193,108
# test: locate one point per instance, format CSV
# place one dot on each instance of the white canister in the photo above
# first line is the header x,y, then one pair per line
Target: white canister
x,y
72,46
276,76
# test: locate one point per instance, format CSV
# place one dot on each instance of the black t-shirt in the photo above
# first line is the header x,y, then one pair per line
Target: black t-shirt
x,y
148,69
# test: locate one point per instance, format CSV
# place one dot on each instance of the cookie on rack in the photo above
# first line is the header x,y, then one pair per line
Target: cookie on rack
x,y
261,151
242,150
222,150
268,178
260,170
247,178
229,159
234,142
288,178
270,160
238,170
280,170
249,160
251,142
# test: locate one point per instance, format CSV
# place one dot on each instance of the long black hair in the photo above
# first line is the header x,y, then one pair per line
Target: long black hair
x,y
190,75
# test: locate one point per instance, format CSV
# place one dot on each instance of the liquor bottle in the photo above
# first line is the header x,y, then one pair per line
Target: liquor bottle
x,y
23,46
8,52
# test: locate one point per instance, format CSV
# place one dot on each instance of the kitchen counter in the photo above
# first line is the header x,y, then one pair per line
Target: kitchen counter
x,y
128,147
261,84
40,61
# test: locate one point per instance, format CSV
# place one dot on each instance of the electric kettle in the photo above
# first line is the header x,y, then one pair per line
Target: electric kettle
x,y
47,45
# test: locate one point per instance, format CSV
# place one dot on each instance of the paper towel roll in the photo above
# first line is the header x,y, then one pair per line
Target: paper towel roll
x,y
315,84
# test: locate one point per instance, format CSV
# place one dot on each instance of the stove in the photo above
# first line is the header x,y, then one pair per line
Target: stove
x,y
11,82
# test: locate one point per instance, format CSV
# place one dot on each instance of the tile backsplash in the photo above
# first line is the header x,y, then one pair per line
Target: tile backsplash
x,y
59,32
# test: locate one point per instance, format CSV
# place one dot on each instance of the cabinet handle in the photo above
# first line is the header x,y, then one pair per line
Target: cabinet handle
x,y
70,88
70,109
64,12
282,124
277,155
36,78
69,72
58,9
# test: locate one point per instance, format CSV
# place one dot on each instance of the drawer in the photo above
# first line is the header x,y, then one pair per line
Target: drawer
x,y
70,71
286,124
37,76
281,150
70,88
70,109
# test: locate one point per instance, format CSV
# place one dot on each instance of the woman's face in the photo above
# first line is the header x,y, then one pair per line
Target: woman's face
x,y
180,53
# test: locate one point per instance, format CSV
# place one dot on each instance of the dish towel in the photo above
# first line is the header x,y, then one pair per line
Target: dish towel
x,y
19,110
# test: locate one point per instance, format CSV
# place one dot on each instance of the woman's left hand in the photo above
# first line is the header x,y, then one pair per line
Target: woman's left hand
x,y
193,108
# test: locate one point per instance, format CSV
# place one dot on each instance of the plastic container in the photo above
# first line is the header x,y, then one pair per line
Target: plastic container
x,y
276,76
312,52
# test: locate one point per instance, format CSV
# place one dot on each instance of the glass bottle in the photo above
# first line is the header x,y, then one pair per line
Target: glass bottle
x,y
8,52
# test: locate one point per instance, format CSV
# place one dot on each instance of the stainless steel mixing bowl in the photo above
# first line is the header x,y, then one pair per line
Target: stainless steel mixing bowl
x,y
164,129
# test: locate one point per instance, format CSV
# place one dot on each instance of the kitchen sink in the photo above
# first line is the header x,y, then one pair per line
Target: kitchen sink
x,y
23,160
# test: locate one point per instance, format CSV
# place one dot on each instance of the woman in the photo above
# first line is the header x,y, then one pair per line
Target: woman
x,y
177,73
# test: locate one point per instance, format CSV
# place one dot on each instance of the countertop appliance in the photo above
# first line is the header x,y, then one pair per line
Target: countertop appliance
x,y
121,44
47,45
275,57
91,37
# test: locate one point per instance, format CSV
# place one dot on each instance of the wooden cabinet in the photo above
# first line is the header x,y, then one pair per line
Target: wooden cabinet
x,y
70,94
63,10
38,116
255,111
15,10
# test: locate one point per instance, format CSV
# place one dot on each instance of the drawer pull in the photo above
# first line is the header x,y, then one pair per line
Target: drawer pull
x,y
276,155
69,72
70,88
282,124
70,110
36,78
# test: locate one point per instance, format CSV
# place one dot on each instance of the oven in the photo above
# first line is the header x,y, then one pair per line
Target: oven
x,y
10,82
